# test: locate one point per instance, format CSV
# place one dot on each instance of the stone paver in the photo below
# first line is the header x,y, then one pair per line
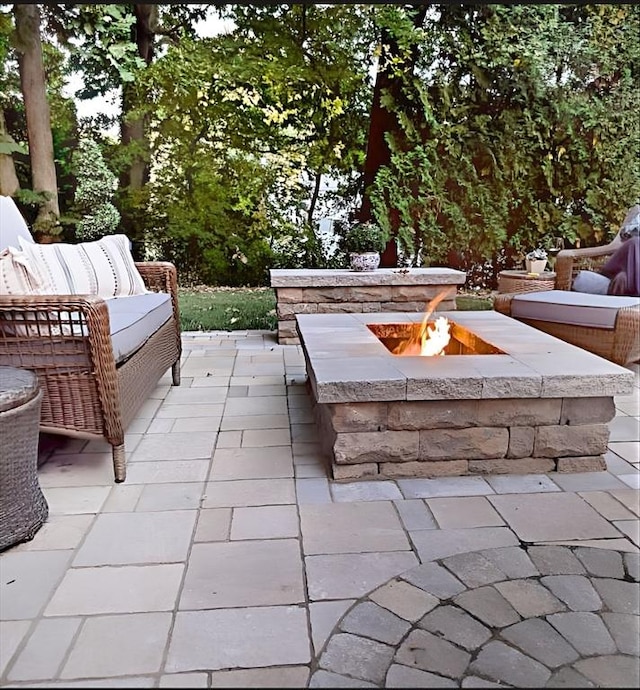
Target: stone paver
x,y
576,591
543,647
229,557
456,626
376,622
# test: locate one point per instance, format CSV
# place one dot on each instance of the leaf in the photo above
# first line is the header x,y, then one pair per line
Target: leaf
x,y
126,75
9,147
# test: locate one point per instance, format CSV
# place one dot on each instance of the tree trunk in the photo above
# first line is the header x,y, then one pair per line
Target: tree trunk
x,y
314,199
9,184
382,121
133,132
36,106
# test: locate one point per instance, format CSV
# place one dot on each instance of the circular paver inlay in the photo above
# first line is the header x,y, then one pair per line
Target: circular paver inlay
x,y
540,616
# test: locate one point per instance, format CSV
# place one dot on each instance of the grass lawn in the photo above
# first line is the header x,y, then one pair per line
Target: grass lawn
x,y
237,309
227,309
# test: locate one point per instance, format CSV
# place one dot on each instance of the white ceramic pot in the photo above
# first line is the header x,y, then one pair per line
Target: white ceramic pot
x,y
368,261
536,266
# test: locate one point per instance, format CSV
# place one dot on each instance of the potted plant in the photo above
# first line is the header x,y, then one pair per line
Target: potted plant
x,y
536,260
364,241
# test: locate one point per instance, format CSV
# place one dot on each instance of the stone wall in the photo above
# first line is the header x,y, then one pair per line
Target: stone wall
x,y
341,291
383,440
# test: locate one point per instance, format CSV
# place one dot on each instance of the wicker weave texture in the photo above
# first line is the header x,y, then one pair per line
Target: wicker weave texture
x,y
507,284
66,340
23,507
620,344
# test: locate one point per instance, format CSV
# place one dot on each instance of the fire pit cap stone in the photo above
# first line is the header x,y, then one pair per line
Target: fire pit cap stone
x,y
346,362
322,277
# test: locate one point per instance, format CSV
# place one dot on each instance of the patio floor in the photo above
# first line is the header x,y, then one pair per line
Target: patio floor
x,y
228,559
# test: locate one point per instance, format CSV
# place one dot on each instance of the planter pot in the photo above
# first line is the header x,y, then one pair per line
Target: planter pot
x,y
367,261
536,266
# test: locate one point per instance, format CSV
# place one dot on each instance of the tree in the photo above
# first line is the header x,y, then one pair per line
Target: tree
x,y
112,45
32,78
518,122
396,62
9,183
96,185
253,121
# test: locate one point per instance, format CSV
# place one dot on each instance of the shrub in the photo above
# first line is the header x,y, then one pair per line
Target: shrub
x,y
92,200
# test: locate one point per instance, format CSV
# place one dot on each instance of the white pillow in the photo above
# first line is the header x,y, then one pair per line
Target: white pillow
x,y
104,267
16,276
591,282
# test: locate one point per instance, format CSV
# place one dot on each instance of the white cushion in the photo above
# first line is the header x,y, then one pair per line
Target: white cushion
x,y
12,225
133,320
591,282
16,277
104,267
573,308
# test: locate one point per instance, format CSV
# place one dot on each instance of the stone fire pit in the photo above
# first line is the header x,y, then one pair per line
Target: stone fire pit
x,y
511,399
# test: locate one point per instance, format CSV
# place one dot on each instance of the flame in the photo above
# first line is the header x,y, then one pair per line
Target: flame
x,y
435,338
431,340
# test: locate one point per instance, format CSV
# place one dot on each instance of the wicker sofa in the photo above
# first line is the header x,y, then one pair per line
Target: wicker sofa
x,y
97,359
607,325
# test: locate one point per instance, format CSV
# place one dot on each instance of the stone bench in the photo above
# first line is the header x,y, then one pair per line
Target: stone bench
x,y
327,291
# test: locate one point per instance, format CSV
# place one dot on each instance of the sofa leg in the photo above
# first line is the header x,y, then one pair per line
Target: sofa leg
x,y
119,463
175,373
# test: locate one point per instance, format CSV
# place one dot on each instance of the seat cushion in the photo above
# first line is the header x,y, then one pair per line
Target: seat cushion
x,y
135,319
573,308
104,267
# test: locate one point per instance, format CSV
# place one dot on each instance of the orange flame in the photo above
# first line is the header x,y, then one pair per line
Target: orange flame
x,y
431,340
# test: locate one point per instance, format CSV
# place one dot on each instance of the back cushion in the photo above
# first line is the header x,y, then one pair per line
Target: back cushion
x,y
12,225
591,282
104,267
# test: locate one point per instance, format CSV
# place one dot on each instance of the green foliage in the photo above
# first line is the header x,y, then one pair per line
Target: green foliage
x,y
362,237
95,188
300,248
518,122
252,120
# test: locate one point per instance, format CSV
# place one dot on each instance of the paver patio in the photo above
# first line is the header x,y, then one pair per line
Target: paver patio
x,y
228,559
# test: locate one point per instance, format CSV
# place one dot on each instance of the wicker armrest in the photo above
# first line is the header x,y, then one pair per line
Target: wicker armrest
x,y
25,319
93,308
570,261
161,276
60,336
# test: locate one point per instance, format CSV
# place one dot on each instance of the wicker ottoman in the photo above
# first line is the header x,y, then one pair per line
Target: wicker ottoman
x,y
23,508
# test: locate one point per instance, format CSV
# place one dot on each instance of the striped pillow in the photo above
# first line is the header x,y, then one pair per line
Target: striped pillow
x,y
16,276
104,267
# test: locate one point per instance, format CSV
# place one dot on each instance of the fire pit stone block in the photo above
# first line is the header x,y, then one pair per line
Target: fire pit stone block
x,y
386,416
334,291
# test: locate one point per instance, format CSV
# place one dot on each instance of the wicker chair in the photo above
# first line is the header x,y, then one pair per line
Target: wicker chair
x,y
619,344
87,393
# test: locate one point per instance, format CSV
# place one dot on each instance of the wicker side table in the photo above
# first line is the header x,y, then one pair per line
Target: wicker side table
x,y
521,281
23,507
